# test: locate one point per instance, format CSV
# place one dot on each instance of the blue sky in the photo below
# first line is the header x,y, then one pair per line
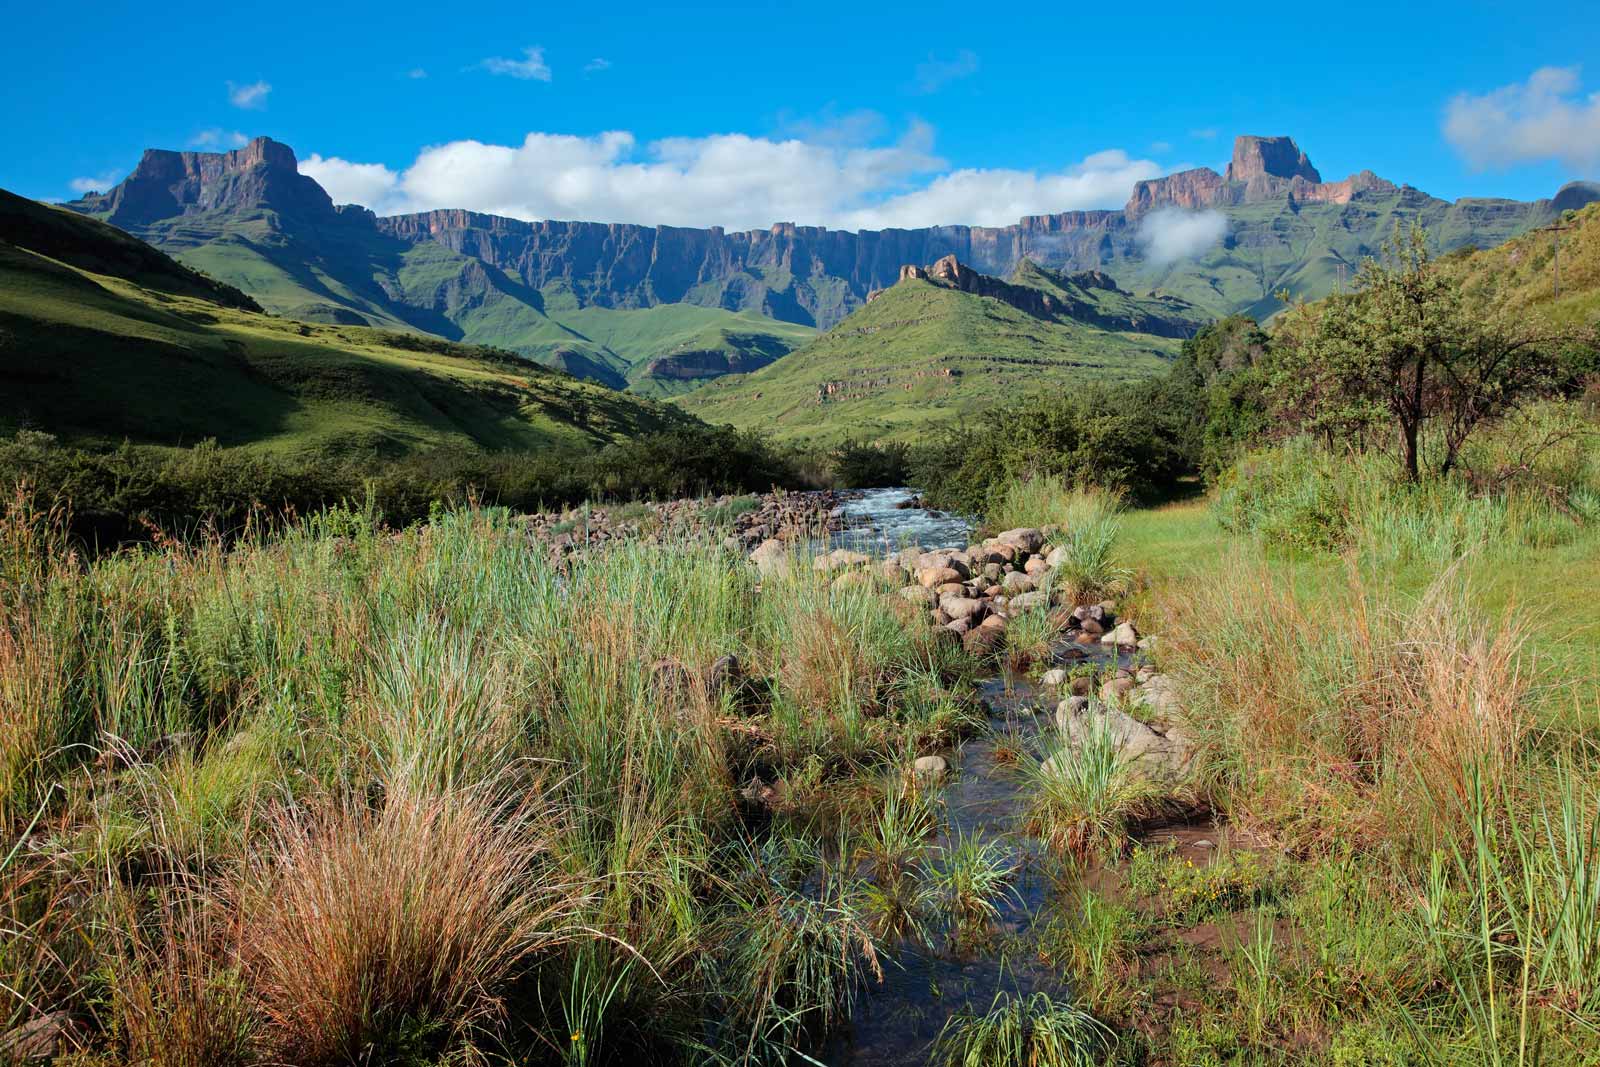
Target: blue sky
x,y
848,115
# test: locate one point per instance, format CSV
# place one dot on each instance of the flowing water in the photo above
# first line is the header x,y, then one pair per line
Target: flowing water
x,y
878,523
895,1022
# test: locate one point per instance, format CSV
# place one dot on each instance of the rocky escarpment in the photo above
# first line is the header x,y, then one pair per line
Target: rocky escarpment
x,y
1079,297
810,275
168,184
1262,169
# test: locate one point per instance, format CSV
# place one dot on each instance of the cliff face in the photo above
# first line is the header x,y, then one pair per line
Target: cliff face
x,y
624,265
167,184
1263,169
800,274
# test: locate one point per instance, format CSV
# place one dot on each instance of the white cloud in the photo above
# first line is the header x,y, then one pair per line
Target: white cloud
x,y
732,180
531,67
1170,233
416,73
252,97
1546,117
596,65
95,185
1000,197
216,137
351,183
934,74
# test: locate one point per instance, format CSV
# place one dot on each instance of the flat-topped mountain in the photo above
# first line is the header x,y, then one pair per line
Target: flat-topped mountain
x,y
587,296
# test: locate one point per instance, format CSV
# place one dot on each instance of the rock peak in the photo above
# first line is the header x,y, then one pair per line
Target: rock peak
x,y
1275,157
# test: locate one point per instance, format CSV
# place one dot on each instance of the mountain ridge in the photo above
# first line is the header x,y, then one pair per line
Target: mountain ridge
x,y
250,218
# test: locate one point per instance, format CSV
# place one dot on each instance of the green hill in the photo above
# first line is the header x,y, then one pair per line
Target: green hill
x,y
103,339
1519,276
249,218
946,343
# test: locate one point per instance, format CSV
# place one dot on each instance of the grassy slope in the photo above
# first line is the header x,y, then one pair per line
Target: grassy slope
x,y
98,358
1520,275
429,287
1278,246
1556,589
917,356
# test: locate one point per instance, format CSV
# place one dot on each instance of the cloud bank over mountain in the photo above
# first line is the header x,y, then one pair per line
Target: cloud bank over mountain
x,y
734,180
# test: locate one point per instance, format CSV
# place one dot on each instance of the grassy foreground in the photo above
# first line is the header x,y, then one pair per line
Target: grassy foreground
x,y
353,796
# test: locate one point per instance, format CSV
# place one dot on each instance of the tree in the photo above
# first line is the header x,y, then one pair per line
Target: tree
x,y
1404,352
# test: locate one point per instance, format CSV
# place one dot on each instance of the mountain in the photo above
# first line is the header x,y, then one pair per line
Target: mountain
x,y
584,295
104,339
945,342
250,217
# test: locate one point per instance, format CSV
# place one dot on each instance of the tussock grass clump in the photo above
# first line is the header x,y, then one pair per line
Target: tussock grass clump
x,y
1343,718
380,932
1084,794
1018,1031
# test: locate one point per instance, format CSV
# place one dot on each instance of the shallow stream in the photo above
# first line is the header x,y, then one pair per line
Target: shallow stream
x,y
896,1022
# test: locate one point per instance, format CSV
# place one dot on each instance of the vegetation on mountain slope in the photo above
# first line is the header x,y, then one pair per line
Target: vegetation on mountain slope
x,y
98,359
922,356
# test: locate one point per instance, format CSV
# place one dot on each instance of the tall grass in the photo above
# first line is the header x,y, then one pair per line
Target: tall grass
x,y
464,799
1018,1031
1084,793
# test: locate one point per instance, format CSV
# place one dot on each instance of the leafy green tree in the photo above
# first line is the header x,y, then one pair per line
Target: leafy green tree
x,y
1404,357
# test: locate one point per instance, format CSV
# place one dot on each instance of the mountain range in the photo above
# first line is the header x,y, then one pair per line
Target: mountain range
x,y
104,339
660,310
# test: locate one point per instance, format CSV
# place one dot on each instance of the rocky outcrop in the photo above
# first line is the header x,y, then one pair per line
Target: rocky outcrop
x,y
1262,169
1045,294
1257,158
168,184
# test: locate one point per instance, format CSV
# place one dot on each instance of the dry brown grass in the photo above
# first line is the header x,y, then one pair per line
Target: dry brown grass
x,y
1343,716
178,998
372,929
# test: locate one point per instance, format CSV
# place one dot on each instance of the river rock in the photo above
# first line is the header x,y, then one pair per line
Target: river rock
x,y
1035,566
935,576
961,607
920,595
1164,757
771,558
930,767
1033,600
1017,582
987,637
1054,677
1125,636
1025,538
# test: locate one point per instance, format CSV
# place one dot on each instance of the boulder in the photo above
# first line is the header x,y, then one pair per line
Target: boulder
x,y
934,576
1035,566
1034,600
1017,582
771,558
961,607
1165,757
920,595
1115,689
41,1038
1056,556
986,639
959,626
1125,636
1025,538
930,767
951,589
1054,677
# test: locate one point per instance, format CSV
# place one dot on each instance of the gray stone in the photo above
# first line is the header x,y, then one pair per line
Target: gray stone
x,y
930,767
